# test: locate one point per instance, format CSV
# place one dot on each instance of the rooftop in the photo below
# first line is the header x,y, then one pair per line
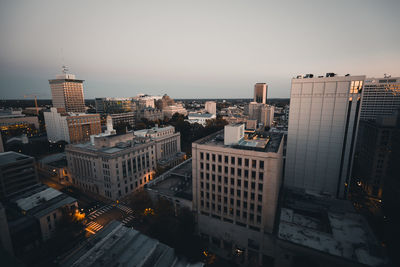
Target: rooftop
x,y
175,183
328,225
11,157
259,141
41,200
199,115
58,160
117,245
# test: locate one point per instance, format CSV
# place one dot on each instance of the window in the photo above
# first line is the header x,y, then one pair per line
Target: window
x,y
261,176
232,171
232,160
260,187
246,162
261,164
226,159
213,157
240,161
207,156
219,158
254,163
259,197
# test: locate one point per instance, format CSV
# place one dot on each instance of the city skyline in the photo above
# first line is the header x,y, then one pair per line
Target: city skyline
x,y
192,50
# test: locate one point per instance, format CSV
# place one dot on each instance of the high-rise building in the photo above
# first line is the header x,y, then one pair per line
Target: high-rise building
x,y
236,182
263,113
381,97
17,173
260,93
374,146
323,123
71,127
67,93
211,107
112,166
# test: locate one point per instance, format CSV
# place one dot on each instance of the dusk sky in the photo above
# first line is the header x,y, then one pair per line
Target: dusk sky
x,y
192,49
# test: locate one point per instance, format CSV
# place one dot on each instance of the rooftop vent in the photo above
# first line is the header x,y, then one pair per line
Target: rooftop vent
x,y
309,75
330,74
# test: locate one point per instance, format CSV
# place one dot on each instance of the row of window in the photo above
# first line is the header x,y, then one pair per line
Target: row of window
x,y
233,160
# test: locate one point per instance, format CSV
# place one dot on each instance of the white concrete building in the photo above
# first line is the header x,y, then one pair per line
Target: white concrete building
x,y
381,97
323,123
236,184
168,143
211,107
200,118
169,111
71,127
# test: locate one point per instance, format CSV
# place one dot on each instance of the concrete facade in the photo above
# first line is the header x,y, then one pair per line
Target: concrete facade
x,y
211,107
323,123
67,93
112,166
17,173
71,127
235,192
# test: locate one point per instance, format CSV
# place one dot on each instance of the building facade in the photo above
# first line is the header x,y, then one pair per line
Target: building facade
x,y
374,148
168,142
71,127
200,118
323,123
235,191
211,107
127,119
112,105
381,97
112,166
149,114
17,173
67,93
263,113
260,93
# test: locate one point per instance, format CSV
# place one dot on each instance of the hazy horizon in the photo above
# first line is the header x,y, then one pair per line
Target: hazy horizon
x,y
207,49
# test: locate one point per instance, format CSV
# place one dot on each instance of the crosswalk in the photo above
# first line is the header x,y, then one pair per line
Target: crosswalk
x,y
93,227
99,212
125,209
128,219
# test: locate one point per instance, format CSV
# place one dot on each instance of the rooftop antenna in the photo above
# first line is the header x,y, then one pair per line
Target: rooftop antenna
x,y
64,69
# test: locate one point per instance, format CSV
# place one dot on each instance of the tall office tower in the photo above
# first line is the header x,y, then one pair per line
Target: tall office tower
x,y
211,107
323,123
374,145
17,173
67,93
381,97
260,93
236,183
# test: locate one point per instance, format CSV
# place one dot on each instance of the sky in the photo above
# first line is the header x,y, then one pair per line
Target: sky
x,y
192,49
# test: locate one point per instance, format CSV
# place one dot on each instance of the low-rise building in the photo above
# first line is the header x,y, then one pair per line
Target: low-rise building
x,y
316,230
123,119
55,167
200,118
111,105
71,127
117,245
112,166
211,107
150,114
168,144
17,173
174,185
12,121
169,111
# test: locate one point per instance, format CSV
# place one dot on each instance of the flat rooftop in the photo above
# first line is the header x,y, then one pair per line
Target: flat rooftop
x,y
11,157
329,225
176,182
58,160
41,200
257,141
117,245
